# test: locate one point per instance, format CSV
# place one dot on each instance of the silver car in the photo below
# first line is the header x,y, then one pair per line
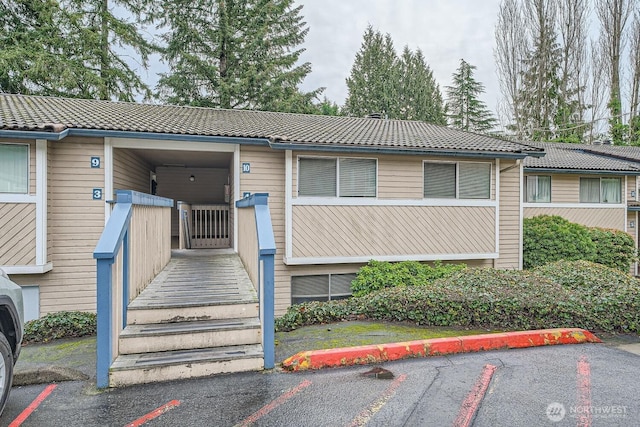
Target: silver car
x,y
11,330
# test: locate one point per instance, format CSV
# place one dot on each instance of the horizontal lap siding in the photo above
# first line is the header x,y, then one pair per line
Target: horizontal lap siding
x,y
510,222
18,236
591,217
75,223
349,231
400,177
130,171
268,176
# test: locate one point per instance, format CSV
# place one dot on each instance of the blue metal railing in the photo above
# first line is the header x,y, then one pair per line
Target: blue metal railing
x,y
115,237
266,271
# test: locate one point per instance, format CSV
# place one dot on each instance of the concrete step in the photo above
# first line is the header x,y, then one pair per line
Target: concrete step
x,y
149,338
171,365
190,310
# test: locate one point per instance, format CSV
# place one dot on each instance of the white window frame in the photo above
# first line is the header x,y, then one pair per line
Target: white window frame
x,y
526,192
457,183
622,190
8,194
337,159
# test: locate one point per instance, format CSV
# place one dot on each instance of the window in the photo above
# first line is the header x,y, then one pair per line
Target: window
x,y
538,189
337,177
600,190
463,180
14,168
324,287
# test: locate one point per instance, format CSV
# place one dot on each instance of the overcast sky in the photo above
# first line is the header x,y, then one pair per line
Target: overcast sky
x,y
445,30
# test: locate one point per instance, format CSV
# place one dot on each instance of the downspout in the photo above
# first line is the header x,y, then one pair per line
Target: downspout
x,y
513,166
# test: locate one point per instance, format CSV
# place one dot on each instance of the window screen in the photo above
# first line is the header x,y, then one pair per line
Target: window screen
x,y
440,180
475,181
317,177
14,168
357,178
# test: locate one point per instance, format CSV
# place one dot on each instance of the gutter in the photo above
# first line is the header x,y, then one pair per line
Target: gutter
x,y
582,171
274,144
57,136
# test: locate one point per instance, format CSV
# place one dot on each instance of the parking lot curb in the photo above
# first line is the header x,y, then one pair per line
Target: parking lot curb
x,y
366,354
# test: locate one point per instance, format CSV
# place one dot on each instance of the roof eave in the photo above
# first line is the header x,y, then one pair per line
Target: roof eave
x,y
580,171
396,150
57,136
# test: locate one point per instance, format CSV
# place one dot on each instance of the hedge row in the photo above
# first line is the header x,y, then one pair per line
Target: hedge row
x,y
562,294
552,238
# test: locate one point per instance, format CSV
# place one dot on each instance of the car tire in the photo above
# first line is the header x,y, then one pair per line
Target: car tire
x,y
6,371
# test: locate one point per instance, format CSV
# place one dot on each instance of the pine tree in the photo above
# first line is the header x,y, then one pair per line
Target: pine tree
x,y
76,38
464,110
31,42
399,88
419,95
372,84
235,54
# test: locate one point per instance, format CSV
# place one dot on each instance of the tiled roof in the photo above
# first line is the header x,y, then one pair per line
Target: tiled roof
x,y
26,113
579,157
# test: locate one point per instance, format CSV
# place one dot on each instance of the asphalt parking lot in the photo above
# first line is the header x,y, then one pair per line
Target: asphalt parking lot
x,y
571,385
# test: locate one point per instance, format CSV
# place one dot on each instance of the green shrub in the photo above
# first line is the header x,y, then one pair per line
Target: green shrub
x,y
614,248
381,274
64,324
553,238
561,294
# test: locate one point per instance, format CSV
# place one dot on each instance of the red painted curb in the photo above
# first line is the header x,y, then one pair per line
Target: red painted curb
x,y
362,355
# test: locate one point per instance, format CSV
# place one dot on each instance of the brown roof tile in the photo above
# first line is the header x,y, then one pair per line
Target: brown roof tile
x,y
25,113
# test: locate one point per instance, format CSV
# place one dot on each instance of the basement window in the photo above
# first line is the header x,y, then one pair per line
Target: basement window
x,y
321,287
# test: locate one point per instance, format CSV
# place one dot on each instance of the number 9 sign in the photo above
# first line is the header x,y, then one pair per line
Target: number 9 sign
x,y
95,162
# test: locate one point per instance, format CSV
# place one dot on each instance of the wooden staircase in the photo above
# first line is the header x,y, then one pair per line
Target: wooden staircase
x,y
199,317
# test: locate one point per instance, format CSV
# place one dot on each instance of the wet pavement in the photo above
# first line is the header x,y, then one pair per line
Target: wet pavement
x,y
587,384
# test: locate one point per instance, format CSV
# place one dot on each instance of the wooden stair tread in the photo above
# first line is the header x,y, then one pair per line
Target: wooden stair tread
x,y
180,357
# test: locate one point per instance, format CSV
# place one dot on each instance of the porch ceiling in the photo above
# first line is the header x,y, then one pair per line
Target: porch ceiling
x,y
189,159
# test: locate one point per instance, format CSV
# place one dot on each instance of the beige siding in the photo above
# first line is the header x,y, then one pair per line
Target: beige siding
x,y
208,187
631,186
268,176
248,243
565,188
150,234
400,177
591,217
130,171
350,231
18,236
75,223
510,223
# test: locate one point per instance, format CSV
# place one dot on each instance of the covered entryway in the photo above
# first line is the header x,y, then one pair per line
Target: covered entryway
x,y
197,176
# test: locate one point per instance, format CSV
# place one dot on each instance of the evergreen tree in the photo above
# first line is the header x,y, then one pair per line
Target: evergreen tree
x,y
235,54
464,109
419,95
76,39
372,85
399,88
